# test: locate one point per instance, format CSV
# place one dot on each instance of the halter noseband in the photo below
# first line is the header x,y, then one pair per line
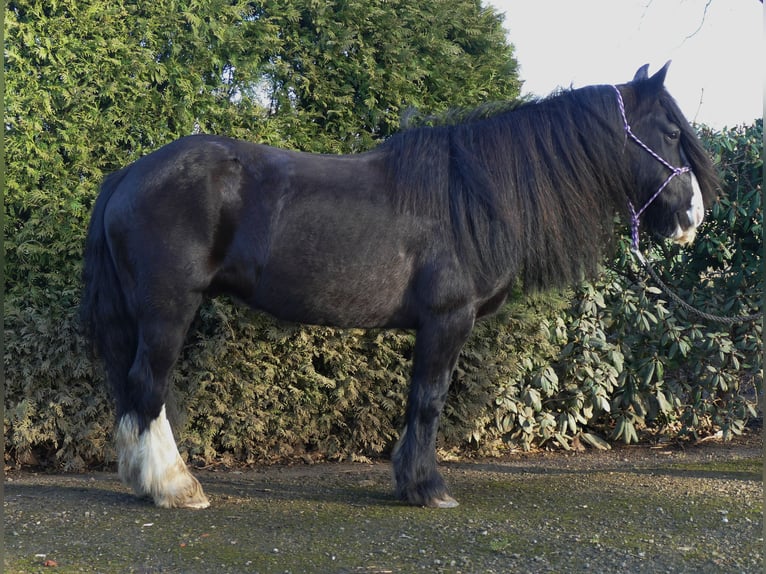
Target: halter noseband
x,y
634,215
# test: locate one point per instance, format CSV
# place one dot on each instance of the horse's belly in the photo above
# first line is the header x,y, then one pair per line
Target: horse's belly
x,y
335,295
338,277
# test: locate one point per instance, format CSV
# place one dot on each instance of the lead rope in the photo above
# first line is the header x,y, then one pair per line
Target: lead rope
x,y
684,305
634,221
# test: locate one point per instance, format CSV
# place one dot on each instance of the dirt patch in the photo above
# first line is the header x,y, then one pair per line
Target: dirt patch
x,y
631,509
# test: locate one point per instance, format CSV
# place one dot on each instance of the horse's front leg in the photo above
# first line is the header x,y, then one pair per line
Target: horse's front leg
x,y
437,348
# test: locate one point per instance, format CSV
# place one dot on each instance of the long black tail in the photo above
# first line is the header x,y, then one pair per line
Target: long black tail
x,y
104,312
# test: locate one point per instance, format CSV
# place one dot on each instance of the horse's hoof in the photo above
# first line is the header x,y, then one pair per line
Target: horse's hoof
x,y
446,501
185,493
198,504
198,501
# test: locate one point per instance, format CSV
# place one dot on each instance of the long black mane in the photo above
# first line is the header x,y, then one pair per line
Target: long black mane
x,y
531,190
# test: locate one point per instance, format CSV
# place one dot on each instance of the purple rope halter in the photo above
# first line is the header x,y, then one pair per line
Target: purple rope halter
x,y
634,215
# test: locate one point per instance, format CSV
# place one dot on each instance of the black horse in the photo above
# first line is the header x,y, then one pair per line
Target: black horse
x,y
427,232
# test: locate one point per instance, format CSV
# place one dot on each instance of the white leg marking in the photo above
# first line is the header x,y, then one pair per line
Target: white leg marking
x,y
150,463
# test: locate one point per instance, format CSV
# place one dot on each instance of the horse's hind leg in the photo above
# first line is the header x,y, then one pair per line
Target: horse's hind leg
x,y
148,458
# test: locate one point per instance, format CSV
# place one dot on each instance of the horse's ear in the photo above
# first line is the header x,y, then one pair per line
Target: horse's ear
x,y
647,87
658,79
642,73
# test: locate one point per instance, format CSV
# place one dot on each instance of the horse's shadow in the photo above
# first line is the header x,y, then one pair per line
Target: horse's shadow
x,y
355,489
223,489
55,494
321,489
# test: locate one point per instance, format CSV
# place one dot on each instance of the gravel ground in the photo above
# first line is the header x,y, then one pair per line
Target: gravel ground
x,y
631,509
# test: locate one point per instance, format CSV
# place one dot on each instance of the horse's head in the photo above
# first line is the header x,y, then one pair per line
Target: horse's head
x,y
675,180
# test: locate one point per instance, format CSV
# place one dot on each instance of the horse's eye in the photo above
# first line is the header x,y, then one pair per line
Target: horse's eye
x,y
673,135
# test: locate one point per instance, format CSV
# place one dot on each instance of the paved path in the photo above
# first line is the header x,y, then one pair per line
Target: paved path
x,y
633,509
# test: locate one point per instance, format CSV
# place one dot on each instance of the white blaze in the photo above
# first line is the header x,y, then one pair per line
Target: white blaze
x,y
695,214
